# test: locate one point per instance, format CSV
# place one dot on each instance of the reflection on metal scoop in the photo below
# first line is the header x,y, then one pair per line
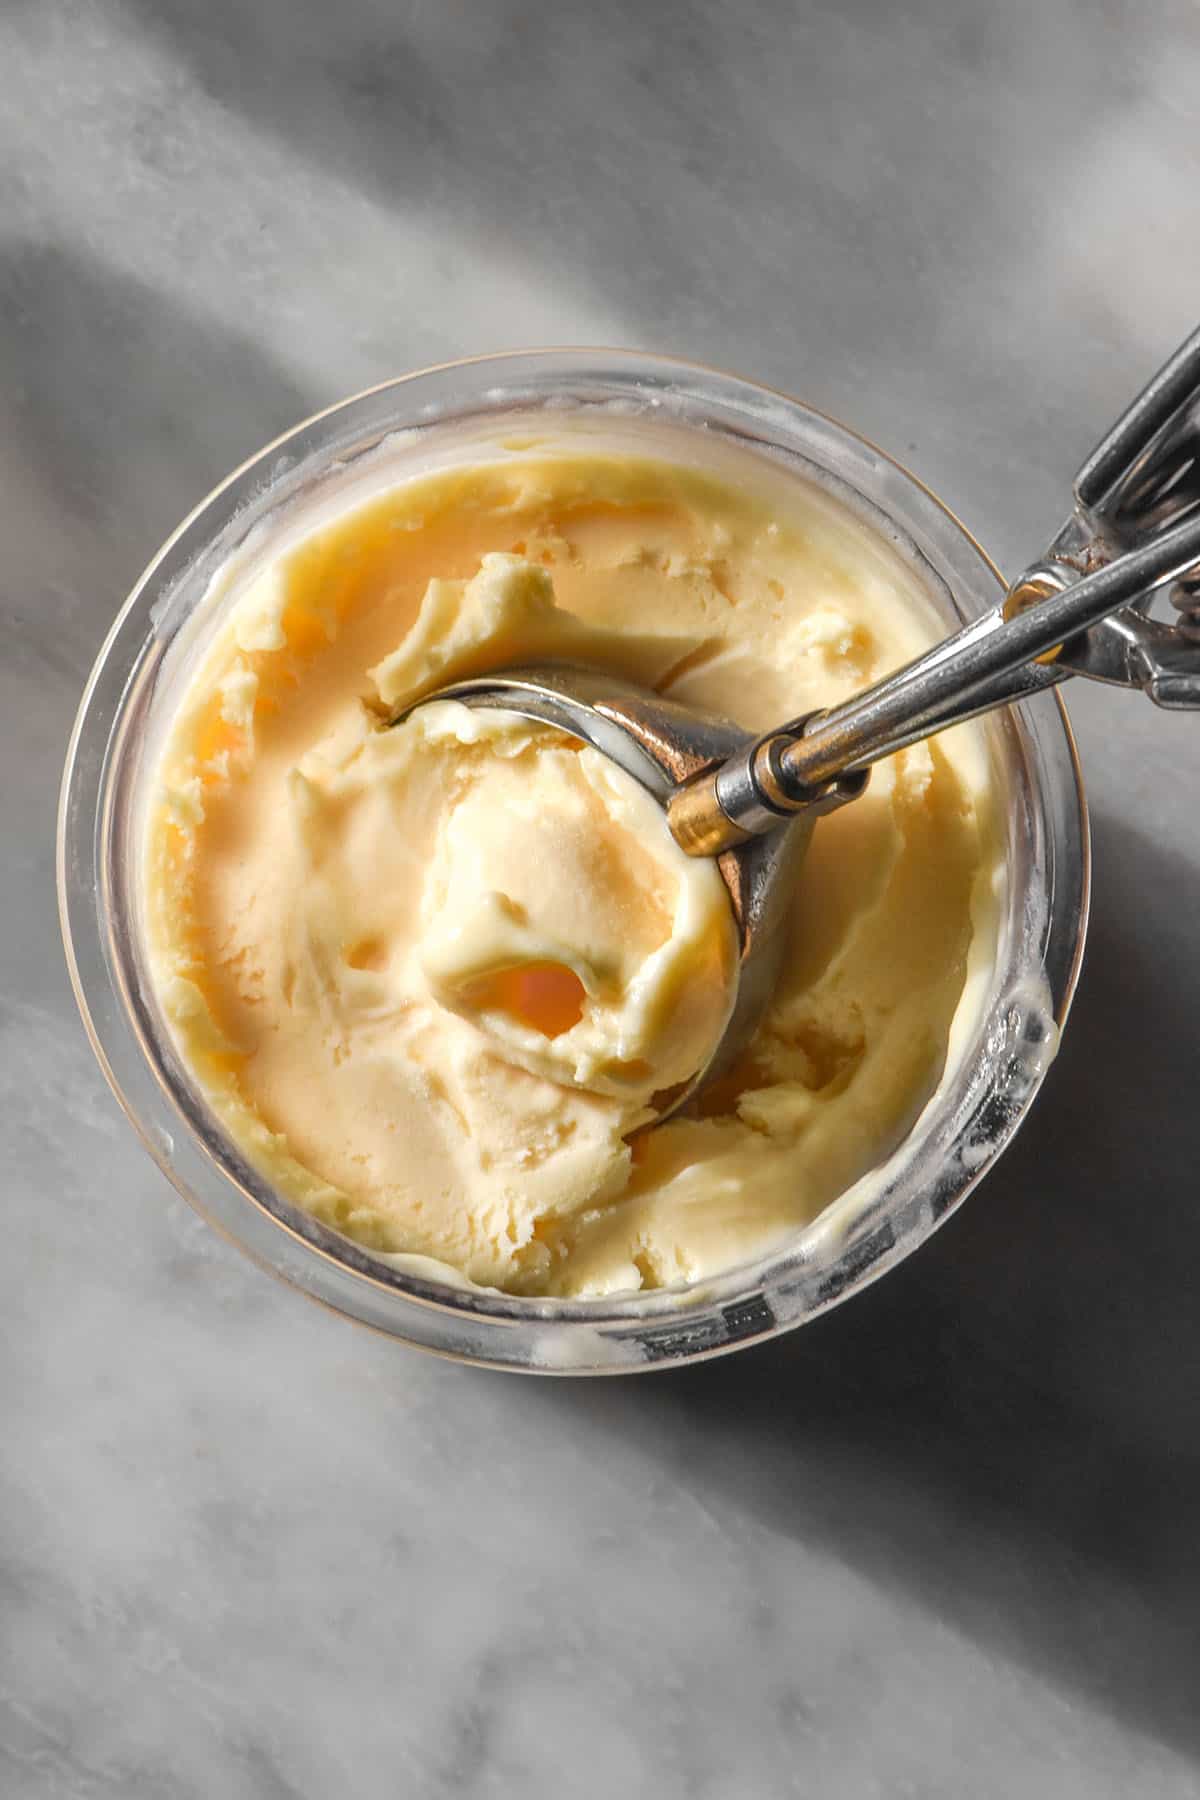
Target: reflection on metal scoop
x,y
1084,609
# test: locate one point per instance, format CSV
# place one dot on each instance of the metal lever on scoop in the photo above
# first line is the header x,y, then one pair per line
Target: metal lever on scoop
x,y
1141,479
1083,609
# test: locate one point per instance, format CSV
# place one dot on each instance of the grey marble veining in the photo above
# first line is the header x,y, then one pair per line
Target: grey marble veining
x,y
942,1543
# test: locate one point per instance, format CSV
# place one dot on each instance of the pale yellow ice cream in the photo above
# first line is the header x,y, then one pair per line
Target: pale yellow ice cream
x,y
431,974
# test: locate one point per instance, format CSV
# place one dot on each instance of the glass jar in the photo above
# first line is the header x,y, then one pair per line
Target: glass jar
x,y
449,412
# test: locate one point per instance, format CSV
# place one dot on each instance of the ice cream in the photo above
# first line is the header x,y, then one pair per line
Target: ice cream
x,y
431,974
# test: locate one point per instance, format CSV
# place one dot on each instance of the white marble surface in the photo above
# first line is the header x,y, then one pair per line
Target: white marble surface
x,y
944,1542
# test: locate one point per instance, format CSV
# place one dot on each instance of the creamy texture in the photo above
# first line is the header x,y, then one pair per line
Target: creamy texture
x,y
431,974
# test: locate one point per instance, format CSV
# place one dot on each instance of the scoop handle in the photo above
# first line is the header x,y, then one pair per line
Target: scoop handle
x,y
971,672
1136,527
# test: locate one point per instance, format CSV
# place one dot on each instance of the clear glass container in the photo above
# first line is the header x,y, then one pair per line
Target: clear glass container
x,y
441,414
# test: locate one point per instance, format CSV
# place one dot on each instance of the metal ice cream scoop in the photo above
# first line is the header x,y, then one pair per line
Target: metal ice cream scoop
x,y
1083,609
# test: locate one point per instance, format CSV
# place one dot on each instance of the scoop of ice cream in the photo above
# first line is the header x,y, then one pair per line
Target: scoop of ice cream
x,y
560,917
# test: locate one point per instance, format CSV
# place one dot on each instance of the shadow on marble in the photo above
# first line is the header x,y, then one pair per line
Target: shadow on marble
x,y
121,411
427,108
1005,1427
125,409
695,161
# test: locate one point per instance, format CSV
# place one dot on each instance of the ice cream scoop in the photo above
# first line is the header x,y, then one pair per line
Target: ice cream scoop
x,y
752,801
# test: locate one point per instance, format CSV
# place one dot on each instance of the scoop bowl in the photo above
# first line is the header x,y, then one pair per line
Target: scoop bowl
x,y
664,746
